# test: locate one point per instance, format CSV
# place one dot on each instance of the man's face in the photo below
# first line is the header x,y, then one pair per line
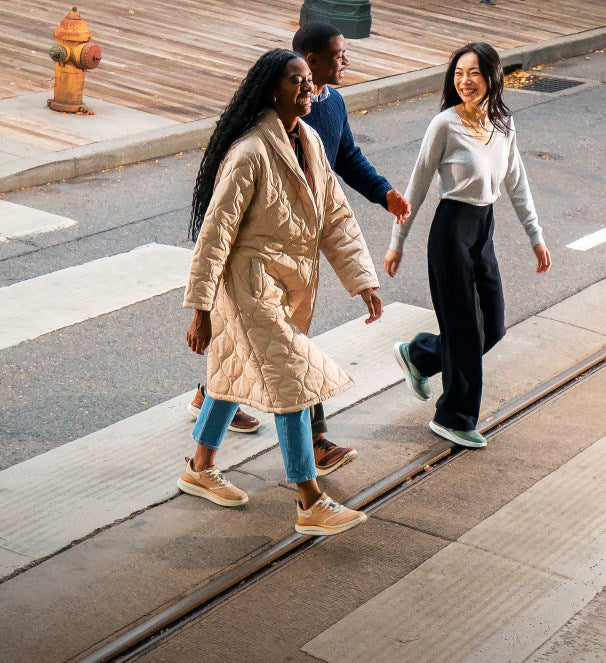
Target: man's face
x,y
329,65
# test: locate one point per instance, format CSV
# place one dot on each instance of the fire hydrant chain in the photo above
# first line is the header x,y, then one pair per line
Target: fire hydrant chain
x,y
72,55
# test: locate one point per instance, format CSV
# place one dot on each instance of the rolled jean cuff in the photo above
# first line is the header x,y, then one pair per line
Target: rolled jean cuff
x,y
301,479
213,421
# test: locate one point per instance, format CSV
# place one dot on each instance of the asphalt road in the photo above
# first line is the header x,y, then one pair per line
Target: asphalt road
x,y
78,379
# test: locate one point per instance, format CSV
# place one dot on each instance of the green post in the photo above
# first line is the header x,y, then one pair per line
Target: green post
x,y
351,17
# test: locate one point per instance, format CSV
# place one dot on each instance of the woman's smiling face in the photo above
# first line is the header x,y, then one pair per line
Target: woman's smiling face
x,y
468,80
293,95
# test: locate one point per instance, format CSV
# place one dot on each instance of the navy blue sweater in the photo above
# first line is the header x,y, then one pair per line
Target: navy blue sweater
x,y
329,119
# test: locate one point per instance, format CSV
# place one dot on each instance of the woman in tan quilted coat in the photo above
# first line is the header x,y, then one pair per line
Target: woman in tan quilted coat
x,y
274,206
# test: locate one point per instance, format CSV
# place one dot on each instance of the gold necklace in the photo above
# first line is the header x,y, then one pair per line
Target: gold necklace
x,y
479,128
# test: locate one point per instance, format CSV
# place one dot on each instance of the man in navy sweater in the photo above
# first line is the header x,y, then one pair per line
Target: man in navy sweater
x,y
323,47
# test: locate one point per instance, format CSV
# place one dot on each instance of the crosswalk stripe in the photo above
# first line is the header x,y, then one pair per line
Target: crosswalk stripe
x,y
20,221
46,303
589,241
64,494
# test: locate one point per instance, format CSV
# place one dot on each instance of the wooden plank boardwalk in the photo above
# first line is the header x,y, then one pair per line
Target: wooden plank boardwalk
x,y
182,59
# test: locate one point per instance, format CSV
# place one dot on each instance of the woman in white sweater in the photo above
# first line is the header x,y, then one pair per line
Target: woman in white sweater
x,y
472,145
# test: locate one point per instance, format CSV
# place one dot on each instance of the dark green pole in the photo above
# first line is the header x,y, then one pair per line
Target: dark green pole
x,y
351,17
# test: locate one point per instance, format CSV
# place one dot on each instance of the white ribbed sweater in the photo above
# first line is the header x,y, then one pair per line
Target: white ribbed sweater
x,y
470,172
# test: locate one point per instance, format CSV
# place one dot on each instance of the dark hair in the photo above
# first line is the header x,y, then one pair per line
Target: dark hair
x,y
313,37
492,71
252,97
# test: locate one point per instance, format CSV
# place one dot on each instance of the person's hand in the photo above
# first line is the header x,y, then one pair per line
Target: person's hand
x,y
199,332
543,258
392,262
373,304
397,205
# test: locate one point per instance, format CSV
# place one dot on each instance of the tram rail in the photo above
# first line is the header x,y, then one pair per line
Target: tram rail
x,y
147,635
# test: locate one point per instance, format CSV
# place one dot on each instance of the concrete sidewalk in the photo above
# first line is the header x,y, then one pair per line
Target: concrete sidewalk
x,y
120,575
38,145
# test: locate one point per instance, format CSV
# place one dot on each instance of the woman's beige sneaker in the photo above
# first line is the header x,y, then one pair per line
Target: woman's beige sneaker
x,y
212,485
325,516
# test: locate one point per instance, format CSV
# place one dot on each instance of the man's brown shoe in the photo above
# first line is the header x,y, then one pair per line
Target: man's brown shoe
x,y
325,517
241,423
330,457
212,485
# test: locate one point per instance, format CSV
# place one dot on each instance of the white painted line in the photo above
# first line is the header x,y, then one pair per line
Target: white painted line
x,y
90,482
46,303
20,221
589,241
520,575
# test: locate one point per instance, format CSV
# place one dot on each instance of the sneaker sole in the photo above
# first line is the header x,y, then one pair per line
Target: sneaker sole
x,y
447,435
317,530
195,412
347,458
404,367
198,491
234,429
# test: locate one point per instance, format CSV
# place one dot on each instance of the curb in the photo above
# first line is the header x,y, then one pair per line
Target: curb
x,y
157,143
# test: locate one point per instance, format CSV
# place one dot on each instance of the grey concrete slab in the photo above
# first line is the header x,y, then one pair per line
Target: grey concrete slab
x,y
9,559
435,615
586,310
109,120
533,352
461,494
558,525
11,149
510,583
273,618
132,570
583,638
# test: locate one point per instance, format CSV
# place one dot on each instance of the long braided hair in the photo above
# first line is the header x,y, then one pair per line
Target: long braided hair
x,y
492,71
252,97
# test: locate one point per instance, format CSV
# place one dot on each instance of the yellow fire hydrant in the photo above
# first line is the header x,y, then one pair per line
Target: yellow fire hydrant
x,y
73,54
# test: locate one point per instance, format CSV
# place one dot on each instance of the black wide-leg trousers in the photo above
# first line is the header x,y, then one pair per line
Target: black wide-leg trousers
x,y
467,296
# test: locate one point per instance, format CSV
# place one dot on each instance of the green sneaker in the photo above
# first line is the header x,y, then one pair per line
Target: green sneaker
x,y
417,383
466,438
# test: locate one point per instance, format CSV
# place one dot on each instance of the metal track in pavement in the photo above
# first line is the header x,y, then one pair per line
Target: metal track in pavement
x,y
149,633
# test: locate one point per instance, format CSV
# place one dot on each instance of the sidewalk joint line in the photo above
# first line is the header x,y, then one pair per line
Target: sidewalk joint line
x,y
435,535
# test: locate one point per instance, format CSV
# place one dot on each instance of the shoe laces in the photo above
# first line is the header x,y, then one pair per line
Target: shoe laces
x,y
219,477
323,443
330,505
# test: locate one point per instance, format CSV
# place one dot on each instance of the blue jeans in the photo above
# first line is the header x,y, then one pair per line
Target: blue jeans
x,y
294,435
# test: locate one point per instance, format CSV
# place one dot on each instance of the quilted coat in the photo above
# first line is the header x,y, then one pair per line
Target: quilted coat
x,y
255,266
